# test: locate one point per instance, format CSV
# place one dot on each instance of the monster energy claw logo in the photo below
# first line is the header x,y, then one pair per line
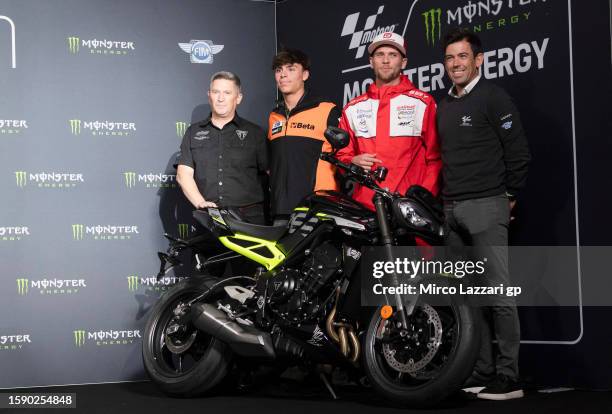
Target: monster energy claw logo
x,y
22,286
181,127
73,44
130,179
21,178
133,282
183,230
433,28
79,338
77,231
75,126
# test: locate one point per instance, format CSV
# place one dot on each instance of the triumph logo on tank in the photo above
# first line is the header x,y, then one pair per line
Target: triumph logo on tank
x,y
14,342
77,45
50,286
12,126
181,128
103,232
48,179
83,338
102,128
132,179
164,283
360,39
13,233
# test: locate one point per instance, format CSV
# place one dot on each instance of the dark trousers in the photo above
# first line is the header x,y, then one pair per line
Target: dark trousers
x,y
483,224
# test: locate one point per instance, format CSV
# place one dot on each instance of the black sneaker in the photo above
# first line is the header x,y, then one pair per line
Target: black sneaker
x,y
476,383
502,388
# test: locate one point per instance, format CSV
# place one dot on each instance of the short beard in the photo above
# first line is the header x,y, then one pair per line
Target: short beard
x,y
386,79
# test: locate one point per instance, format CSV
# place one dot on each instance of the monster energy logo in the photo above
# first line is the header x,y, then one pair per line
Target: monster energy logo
x,y
79,338
75,126
73,44
133,282
183,230
77,231
130,179
22,286
21,178
433,27
181,127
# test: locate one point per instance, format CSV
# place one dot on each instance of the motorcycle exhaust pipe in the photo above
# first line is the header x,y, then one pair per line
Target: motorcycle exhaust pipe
x,y
345,335
244,340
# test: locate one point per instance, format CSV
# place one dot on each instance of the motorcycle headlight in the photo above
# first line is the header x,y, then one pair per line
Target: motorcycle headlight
x,y
411,214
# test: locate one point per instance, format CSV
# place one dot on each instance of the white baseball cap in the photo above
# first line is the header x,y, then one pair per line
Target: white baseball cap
x,y
388,39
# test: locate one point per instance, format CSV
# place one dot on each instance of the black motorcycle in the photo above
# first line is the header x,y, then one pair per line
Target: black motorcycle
x,y
302,306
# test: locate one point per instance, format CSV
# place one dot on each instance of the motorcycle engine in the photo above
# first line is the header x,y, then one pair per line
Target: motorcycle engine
x,y
295,292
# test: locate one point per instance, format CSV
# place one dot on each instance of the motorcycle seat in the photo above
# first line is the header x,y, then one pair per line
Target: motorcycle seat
x,y
270,233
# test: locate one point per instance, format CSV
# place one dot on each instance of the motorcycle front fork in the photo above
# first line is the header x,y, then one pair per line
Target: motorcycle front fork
x,y
405,306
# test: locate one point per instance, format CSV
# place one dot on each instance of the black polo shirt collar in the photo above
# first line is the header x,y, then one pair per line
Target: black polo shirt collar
x,y
237,121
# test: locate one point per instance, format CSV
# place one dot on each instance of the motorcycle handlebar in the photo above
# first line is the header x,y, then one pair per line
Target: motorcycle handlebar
x,y
362,176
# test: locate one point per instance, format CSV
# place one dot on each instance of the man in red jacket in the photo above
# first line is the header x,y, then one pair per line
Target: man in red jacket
x,y
393,125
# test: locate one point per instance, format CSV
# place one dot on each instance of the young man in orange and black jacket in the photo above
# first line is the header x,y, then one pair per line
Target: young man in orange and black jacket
x,y
295,134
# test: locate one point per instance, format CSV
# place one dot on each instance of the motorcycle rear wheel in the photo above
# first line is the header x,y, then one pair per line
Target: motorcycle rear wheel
x,y
181,360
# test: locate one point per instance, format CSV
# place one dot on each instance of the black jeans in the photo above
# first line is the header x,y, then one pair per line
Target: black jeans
x,y
483,224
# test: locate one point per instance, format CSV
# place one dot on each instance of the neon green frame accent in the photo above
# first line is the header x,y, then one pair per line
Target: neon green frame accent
x,y
267,262
218,220
322,215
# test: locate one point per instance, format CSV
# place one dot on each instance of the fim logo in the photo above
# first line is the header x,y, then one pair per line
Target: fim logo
x,y
79,338
73,44
183,230
201,51
181,128
433,28
22,286
130,179
75,126
133,282
78,231
22,178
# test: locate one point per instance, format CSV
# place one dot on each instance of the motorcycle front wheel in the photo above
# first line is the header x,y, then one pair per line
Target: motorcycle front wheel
x,y
426,362
180,359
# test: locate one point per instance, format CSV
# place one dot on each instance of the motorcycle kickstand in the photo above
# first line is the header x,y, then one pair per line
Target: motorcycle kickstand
x,y
328,385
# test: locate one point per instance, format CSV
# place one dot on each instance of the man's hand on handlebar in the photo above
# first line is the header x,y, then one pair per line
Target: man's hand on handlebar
x,y
365,161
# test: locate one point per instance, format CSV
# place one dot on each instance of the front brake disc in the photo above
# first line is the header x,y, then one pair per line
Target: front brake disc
x,y
433,325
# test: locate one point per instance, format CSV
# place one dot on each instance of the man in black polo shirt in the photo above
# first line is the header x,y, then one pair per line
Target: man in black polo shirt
x,y
485,158
222,156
